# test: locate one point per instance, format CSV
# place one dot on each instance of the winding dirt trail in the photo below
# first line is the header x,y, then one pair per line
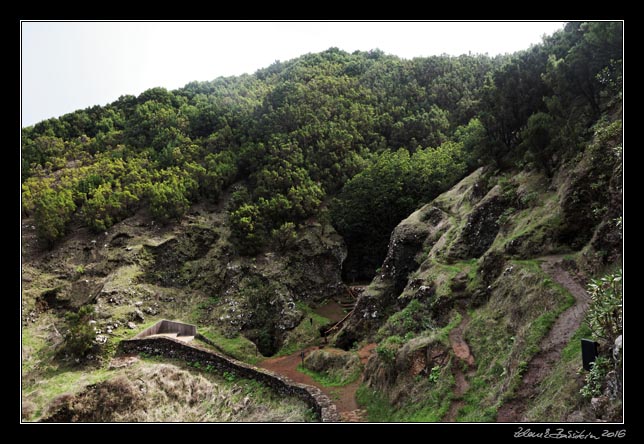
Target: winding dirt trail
x,y
343,397
551,346
462,352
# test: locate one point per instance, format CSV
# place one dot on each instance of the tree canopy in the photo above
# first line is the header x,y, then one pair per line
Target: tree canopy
x,y
370,135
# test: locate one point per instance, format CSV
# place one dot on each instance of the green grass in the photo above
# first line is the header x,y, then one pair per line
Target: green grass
x,y
533,265
305,334
59,381
124,277
331,379
442,274
35,346
559,392
429,396
536,220
109,348
443,333
376,404
238,347
505,335
430,405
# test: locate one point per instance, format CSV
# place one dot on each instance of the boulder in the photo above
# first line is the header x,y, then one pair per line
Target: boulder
x,y
481,227
408,239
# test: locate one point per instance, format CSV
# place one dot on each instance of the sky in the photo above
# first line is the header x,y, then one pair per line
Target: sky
x,y
67,66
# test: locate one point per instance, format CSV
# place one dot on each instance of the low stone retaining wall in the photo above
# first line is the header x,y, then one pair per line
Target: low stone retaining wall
x,y
165,326
325,410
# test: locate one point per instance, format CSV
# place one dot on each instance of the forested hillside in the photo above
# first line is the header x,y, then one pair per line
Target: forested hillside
x,y
352,142
296,132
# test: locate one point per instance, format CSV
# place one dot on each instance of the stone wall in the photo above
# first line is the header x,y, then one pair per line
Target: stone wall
x,y
325,410
165,326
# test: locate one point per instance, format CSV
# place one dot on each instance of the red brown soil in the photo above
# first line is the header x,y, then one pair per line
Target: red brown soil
x,y
551,346
342,397
331,310
462,352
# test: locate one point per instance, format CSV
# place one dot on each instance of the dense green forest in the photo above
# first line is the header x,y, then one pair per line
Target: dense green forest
x,y
359,139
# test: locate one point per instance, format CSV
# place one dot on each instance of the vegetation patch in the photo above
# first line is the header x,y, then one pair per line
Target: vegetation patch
x,y
427,400
237,347
505,334
559,394
161,392
305,334
331,379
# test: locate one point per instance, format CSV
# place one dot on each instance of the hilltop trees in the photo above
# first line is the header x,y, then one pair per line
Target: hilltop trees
x,y
373,202
380,134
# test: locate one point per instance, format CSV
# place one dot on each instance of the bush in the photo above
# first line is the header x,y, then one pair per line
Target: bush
x,y
604,316
595,378
52,211
80,335
168,200
387,349
284,236
414,318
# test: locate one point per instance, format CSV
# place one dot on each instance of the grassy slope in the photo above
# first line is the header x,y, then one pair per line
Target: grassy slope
x,y
505,332
431,395
503,348
559,392
175,392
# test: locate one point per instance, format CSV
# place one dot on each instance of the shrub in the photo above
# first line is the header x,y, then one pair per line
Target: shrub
x,y
80,335
52,211
387,349
595,378
604,316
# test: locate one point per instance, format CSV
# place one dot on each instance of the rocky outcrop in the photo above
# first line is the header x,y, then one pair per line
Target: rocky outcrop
x,y
413,236
408,239
252,295
481,227
72,295
415,358
424,236
259,294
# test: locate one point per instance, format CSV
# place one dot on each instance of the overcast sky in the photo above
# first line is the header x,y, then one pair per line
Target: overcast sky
x,y
69,66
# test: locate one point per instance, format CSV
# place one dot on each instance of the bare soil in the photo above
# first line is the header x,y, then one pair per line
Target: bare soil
x,y
462,352
343,397
551,346
331,310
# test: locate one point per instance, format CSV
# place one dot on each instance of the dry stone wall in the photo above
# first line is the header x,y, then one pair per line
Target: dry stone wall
x,y
325,410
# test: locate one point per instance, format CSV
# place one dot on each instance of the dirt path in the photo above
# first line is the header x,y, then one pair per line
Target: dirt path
x,y
462,352
551,346
343,397
331,310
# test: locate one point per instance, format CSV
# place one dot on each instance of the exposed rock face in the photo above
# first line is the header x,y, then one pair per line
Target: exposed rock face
x,y
174,260
394,377
259,294
407,240
592,193
481,227
418,233
315,268
72,295
491,266
254,295
368,313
